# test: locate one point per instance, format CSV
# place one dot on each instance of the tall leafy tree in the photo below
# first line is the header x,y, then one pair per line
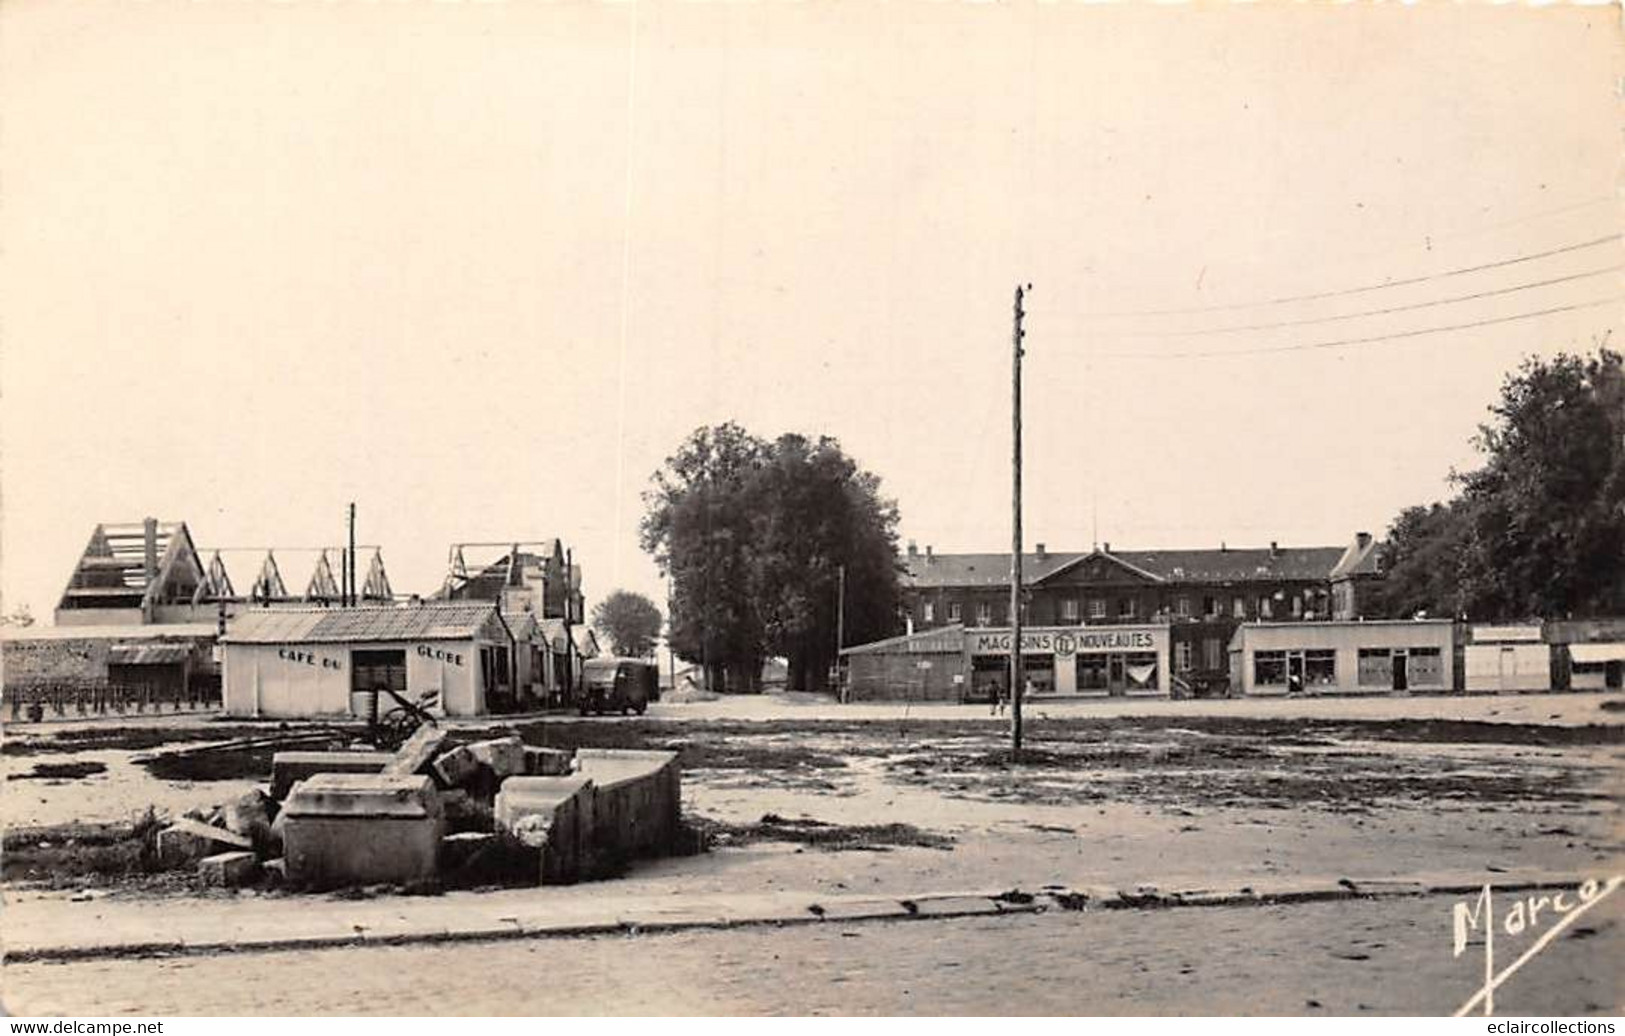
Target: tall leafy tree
x,y
754,536
630,621
1539,530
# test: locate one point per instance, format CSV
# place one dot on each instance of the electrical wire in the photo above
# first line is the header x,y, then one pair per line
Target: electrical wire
x,y
1424,278
1375,312
1369,340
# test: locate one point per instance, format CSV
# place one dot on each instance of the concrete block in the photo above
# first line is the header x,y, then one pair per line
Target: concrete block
x,y
637,803
456,768
362,829
503,756
547,762
185,842
227,870
554,816
424,744
954,906
288,768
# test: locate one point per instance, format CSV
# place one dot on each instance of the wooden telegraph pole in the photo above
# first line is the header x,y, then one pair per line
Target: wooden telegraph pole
x,y
1016,683
840,633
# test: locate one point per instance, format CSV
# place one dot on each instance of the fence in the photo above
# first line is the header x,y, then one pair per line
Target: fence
x,y
98,698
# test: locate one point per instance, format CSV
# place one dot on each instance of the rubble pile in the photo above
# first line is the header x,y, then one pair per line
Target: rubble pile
x,y
439,811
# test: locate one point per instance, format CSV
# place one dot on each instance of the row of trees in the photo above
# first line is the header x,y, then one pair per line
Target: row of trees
x,y
1539,529
754,536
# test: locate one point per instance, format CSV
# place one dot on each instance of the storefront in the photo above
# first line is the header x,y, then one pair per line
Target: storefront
x,y
1343,657
458,659
1597,667
1072,661
1507,658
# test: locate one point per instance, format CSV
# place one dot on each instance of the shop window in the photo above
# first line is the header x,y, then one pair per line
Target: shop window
x,y
1069,609
984,613
378,671
1238,608
1097,608
1141,669
1426,668
1376,667
1182,656
1182,607
1269,668
953,611
1320,668
1039,673
1092,673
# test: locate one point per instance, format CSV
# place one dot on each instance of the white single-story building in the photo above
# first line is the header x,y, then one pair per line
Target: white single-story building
x,y
1507,658
334,661
1361,657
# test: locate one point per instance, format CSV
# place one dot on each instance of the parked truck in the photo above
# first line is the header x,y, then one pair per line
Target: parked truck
x,y
624,685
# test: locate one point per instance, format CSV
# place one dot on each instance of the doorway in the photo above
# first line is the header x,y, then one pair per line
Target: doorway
x,y
1402,680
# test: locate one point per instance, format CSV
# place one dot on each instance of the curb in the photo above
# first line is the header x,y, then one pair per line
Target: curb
x,y
925,907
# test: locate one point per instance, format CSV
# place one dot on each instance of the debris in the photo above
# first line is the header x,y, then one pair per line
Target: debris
x,y
503,756
288,768
250,815
424,744
553,815
227,870
185,842
456,768
546,762
346,829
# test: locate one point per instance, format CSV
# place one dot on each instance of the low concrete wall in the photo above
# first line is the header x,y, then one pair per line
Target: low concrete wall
x,y
289,768
362,829
637,804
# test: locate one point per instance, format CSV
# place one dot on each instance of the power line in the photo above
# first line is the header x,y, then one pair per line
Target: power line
x,y
1376,312
1280,300
1363,341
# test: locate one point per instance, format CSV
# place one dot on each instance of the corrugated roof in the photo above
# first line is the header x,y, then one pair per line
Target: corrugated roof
x,y
947,639
1231,565
148,654
156,631
459,621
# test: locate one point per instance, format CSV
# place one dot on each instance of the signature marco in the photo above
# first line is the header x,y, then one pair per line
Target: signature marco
x,y
1561,909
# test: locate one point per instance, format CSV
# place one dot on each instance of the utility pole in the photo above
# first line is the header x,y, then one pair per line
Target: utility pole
x,y
840,633
1015,528
350,564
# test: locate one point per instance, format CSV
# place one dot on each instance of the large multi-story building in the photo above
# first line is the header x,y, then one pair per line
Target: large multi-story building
x,y
1185,604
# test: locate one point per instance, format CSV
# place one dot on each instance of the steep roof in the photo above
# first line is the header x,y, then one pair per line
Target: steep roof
x,y
1228,565
460,621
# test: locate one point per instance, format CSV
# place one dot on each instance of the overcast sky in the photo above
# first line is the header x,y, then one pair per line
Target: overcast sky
x,y
479,268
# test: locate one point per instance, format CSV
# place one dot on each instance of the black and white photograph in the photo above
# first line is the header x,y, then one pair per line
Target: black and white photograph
x,y
781,510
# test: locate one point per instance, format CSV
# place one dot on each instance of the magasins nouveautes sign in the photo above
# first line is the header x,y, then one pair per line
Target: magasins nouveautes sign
x,y
1064,642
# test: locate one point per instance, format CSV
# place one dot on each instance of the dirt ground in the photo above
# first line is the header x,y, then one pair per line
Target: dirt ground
x,y
1347,958
896,802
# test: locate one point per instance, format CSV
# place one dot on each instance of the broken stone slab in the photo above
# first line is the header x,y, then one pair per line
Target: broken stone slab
x,y
275,872
456,768
227,870
185,842
419,749
554,817
289,768
503,756
546,762
637,804
951,906
345,829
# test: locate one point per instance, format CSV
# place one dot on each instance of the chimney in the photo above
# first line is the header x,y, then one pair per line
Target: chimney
x,y
1275,549
928,553
1362,540
1222,547
150,528
913,551
1042,553
1106,548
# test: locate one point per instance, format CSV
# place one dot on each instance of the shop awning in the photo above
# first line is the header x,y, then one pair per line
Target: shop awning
x,y
1597,654
147,654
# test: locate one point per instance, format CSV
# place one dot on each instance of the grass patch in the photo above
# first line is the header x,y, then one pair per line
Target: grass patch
x,y
819,834
59,771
